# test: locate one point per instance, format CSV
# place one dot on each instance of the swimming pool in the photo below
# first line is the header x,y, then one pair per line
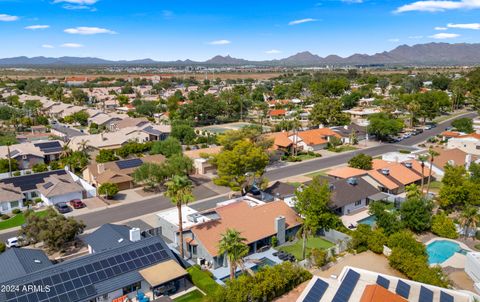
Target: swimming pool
x,y
261,263
370,220
440,250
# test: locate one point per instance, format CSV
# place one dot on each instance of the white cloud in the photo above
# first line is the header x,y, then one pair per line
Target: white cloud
x,y
438,5
48,46
475,26
273,51
442,36
8,18
440,28
34,27
301,21
78,2
352,1
85,30
71,45
75,7
220,42
415,37
394,40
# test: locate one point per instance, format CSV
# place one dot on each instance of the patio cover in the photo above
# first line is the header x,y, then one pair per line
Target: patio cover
x,y
163,272
378,196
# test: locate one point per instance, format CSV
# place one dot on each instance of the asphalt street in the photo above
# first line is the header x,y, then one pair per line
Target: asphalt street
x,y
152,205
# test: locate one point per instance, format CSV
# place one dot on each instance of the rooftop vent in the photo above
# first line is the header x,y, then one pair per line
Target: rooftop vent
x,y
37,261
386,171
352,181
409,165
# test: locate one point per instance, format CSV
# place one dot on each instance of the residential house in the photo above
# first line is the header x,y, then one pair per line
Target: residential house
x,y
281,142
202,231
66,132
51,187
346,172
277,115
469,143
454,157
117,273
349,132
129,122
359,285
280,191
200,157
313,140
75,81
29,154
56,111
103,119
118,172
360,116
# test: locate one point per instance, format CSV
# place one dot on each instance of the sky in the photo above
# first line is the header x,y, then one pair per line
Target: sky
x,y
254,30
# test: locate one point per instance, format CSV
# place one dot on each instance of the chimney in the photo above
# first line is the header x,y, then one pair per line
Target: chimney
x,y
280,229
100,168
134,234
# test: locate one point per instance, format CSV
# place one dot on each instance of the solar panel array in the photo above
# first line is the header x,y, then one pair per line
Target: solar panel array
x,y
426,295
317,291
29,182
383,282
129,163
444,297
403,289
49,147
346,288
77,284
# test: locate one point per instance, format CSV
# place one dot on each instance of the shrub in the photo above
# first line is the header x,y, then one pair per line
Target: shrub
x,y
108,189
16,211
16,173
376,241
37,200
318,257
5,217
203,280
444,226
274,241
2,247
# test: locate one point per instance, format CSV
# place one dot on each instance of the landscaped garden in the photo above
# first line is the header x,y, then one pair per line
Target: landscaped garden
x,y
312,243
17,220
193,296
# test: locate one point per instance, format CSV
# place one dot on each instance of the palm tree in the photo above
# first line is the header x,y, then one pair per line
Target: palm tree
x,y
179,190
432,154
233,245
66,151
83,146
423,158
469,219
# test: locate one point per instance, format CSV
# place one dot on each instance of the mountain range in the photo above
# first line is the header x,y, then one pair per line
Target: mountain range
x,y
419,54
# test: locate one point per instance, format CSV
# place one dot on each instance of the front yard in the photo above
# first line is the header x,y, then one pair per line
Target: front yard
x,y
193,296
314,242
17,220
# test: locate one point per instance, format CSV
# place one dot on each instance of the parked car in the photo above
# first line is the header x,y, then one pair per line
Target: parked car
x,y
77,204
62,207
15,242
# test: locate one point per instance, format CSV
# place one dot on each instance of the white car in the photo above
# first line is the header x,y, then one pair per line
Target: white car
x,y
13,242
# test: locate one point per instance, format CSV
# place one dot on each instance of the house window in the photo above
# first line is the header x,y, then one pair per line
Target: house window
x,y
14,204
132,288
357,203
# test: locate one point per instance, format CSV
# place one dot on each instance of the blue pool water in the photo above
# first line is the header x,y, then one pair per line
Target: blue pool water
x,y
440,250
261,263
370,220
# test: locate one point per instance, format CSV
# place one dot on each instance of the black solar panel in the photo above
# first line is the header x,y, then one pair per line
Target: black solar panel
x,y
317,291
426,295
29,182
444,297
383,282
77,284
48,146
129,163
346,288
403,289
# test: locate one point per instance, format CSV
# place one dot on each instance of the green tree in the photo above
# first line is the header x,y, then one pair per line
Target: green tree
x,y
233,245
151,175
463,125
40,167
361,161
469,220
328,112
179,190
4,165
431,154
184,132
108,189
389,221
167,147
383,125
236,165
443,226
416,214
56,231
312,204
106,155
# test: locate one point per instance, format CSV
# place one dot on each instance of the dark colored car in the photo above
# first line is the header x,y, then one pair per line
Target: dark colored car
x,y
62,207
77,204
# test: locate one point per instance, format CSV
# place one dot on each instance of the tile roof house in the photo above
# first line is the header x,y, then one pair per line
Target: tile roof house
x,y
145,265
129,122
201,157
469,143
454,157
118,172
346,172
315,139
30,153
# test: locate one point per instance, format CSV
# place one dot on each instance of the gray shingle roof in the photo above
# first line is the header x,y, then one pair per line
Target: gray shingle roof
x,y
344,193
282,189
108,236
17,262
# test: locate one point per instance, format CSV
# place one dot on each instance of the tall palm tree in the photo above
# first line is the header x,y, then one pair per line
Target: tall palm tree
x,y
423,158
432,154
66,151
469,219
83,146
179,190
233,245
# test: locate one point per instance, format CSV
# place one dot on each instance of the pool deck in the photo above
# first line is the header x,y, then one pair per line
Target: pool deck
x,y
352,219
250,261
457,260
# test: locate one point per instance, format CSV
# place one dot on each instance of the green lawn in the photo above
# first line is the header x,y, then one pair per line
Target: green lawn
x,y
193,296
341,149
435,185
314,242
17,220
318,173
306,156
203,280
